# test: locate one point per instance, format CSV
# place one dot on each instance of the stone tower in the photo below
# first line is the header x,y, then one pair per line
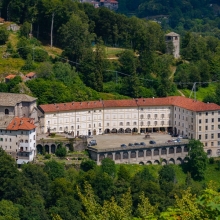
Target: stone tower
x,y
173,44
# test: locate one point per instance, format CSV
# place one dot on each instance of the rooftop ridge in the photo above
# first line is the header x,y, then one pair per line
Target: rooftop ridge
x,y
179,101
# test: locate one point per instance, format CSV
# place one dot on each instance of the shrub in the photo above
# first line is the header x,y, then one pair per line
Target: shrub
x,y
61,152
211,160
87,165
52,135
47,156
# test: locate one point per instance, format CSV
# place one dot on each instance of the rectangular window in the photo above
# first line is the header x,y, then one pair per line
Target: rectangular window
x,y
206,144
212,119
200,137
200,121
212,144
191,120
200,128
206,113
206,136
100,125
212,127
200,113
212,113
218,119
206,128
218,135
218,143
206,121
212,136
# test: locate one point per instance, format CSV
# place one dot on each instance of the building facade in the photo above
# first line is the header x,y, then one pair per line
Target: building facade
x,y
177,115
18,138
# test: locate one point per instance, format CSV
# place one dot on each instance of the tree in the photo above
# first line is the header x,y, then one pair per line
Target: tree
x,y
24,47
51,8
108,166
87,165
8,210
197,159
166,174
28,63
45,70
4,34
75,37
25,29
54,169
61,151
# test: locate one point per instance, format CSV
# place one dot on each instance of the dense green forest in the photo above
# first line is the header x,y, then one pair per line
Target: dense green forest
x,y
111,192
188,15
83,71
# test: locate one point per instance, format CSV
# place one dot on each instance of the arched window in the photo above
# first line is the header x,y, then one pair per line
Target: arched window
x,y
142,116
121,123
6,111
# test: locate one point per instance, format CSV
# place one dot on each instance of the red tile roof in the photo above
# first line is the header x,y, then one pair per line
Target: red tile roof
x,y
120,103
71,106
11,76
21,124
31,74
179,101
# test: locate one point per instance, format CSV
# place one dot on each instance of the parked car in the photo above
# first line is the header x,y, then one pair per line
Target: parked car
x,y
93,142
136,144
180,136
178,140
174,140
131,145
169,141
123,145
152,142
143,144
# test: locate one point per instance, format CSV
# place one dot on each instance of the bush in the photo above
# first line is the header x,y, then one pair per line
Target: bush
x,y
211,160
40,55
47,156
52,135
61,152
87,165
4,34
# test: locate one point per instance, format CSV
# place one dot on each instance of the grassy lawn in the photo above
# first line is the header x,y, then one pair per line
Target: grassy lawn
x,y
111,52
202,92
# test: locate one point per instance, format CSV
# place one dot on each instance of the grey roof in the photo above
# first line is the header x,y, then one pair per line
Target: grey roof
x,y
11,99
172,34
5,121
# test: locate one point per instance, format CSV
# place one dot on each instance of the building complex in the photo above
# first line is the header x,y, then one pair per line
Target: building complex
x,y
176,114
21,120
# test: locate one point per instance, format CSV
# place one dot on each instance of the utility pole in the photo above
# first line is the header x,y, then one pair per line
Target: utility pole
x,y
51,32
33,52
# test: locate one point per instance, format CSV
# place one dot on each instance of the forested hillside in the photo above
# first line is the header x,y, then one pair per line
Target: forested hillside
x,y
82,69
188,15
109,192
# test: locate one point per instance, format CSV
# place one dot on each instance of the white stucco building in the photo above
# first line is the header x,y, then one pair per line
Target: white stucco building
x,y
18,138
176,114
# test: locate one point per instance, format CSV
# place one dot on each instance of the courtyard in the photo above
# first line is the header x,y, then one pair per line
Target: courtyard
x,y
115,140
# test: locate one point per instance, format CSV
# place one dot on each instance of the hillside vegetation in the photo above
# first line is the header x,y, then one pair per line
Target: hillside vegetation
x,y
83,53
